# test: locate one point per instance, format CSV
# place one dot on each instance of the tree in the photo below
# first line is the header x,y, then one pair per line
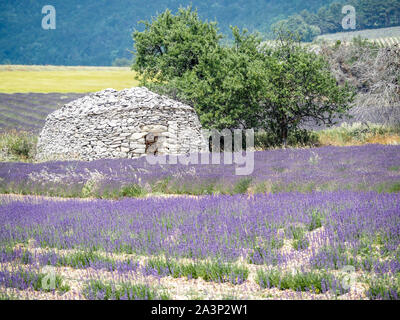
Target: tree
x,y
299,87
298,26
244,85
171,44
224,86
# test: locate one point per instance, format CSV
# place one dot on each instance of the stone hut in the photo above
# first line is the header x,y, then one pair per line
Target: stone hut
x,y
120,124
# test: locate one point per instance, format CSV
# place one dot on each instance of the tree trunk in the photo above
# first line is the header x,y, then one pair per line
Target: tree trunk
x,y
284,135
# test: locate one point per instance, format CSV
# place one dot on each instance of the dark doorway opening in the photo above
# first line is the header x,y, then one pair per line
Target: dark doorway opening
x,y
151,141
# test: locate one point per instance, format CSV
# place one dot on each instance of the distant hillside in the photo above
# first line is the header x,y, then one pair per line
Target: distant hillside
x,y
369,14
372,34
383,37
96,32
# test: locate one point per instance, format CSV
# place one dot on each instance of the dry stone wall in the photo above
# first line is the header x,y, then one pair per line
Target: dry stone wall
x,y
120,124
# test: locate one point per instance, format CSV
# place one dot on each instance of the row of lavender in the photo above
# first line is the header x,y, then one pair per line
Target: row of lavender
x,y
28,111
330,229
369,167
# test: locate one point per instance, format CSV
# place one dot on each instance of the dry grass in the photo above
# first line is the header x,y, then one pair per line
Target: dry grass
x,y
385,139
359,134
388,139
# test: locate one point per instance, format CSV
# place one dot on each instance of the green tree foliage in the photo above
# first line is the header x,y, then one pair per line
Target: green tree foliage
x,y
299,86
297,25
222,86
173,44
248,84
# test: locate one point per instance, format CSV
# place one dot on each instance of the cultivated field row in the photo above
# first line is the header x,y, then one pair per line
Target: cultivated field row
x,y
286,246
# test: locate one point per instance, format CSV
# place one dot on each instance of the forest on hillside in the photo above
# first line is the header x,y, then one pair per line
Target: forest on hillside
x,y
369,14
100,32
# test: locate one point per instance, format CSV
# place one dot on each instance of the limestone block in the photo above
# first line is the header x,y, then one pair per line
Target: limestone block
x,y
154,128
138,135
135,145
139,150
125,134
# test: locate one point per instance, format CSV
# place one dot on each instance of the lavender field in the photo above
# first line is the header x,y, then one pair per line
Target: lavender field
x,y
357,168
307,224
28,111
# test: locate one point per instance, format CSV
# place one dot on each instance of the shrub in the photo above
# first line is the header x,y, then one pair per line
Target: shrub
x,y
304,281
393,187
98,290
301,244
23,279
20,146
316,220
266,254
208,271
298,234
82,259
296,138
133,190
384,288
161,185
88,189
242,185
332,257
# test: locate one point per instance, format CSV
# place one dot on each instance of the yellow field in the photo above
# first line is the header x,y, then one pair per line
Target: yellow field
x,y
45,79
